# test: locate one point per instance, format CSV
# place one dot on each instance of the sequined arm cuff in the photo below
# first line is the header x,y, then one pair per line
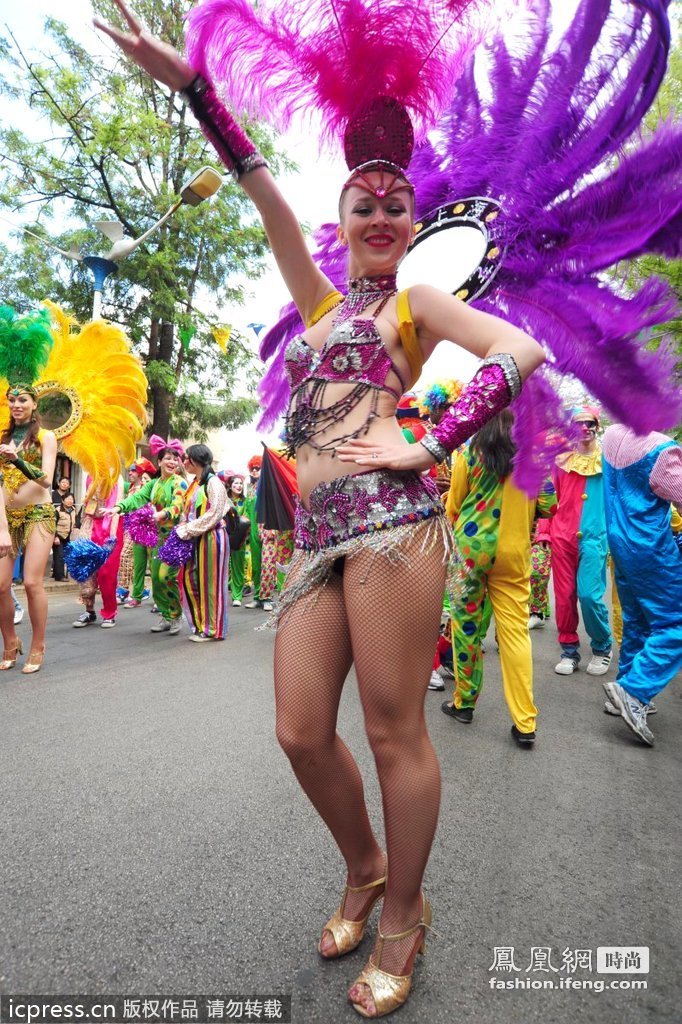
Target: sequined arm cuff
x,y
494,385
30,472
230,141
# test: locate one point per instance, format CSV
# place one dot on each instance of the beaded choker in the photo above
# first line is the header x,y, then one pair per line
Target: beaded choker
x,y
362,292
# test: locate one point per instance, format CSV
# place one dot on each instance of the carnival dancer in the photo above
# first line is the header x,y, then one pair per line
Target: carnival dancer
x,y
27,460
579,549
47,352
99,523
167,495
255,533
493,522
132,569
369,528
234,486
642,476
203,580
540,571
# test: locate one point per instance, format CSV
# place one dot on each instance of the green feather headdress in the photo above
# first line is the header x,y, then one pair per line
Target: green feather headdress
x,y
25,344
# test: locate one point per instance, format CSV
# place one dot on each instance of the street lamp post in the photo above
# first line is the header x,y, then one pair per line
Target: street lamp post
x,y
202,185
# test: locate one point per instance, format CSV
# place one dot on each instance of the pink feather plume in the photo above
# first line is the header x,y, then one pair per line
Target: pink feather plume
x,y
293,56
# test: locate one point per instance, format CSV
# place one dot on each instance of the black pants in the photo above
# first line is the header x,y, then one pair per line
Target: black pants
x,y
58,560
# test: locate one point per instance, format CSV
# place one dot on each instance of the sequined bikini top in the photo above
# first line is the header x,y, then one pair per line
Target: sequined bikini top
x,y
31,453
354,353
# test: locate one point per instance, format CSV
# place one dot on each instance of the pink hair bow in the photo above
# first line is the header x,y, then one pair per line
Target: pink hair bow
x,y
157,444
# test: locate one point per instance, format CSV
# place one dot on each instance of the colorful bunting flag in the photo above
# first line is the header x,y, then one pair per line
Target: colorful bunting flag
x,y
222,335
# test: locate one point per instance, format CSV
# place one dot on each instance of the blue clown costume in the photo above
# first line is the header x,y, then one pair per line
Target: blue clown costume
x,y
642,476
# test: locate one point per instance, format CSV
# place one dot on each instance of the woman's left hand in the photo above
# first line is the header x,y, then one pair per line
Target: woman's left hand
x,y
401,457
181,531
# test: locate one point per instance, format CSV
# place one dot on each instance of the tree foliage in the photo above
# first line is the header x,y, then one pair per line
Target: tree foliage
x,y
111,144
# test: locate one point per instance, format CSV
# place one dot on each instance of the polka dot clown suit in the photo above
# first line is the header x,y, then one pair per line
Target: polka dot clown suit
x,y
493,521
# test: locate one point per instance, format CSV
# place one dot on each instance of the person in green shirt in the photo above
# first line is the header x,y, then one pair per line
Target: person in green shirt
x,y
166,493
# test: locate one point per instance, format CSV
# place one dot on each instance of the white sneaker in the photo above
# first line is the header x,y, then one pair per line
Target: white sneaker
x,y
566,667
535,622
107,623
199,638
236,604
435,682
599,664
18,615
162,626
632,711
611,709
267,606
175,626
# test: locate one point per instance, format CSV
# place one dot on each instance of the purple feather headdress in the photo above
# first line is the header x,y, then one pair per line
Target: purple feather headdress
x,y
551,130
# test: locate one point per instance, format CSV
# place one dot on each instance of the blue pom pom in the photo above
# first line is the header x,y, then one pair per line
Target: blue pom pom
x,y
83,558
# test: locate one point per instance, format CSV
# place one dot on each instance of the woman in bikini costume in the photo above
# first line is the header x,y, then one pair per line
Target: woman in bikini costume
x,y
370,527
27,460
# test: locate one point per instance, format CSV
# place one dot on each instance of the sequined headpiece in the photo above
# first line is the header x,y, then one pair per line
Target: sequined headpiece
x,y
379,138
21,389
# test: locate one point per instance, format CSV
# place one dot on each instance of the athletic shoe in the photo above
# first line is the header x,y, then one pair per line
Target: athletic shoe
x,y
85,620
610,709
154,610
107,623
162,626
18,615
145,595
535,622
254,604
632,711
524,739
199,638
567,666
435,682
121,595
267,606
132,603
445,672
236,604
599,664
464,715
175,626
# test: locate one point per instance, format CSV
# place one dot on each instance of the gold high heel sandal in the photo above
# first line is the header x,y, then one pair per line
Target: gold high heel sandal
x,y
390,991
9,658
349,934
34,661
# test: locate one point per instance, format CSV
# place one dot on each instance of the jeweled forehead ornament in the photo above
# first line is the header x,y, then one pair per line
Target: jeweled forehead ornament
x,y
21,389
379,139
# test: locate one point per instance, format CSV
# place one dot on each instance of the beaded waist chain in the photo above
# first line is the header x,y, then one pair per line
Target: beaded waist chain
x,y
355,506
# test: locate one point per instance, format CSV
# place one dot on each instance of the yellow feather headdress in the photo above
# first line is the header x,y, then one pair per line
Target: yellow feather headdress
x,y
96,370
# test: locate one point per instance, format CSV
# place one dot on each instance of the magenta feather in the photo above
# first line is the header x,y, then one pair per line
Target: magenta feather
x,y
293,57
142,526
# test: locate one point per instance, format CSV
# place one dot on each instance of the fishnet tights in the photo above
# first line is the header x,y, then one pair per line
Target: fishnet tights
x,y
384,617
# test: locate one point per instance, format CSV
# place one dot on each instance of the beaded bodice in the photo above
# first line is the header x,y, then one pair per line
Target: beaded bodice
x,y
353,354
30,452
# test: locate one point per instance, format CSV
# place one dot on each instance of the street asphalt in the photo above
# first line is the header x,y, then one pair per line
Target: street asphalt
x,y
155,841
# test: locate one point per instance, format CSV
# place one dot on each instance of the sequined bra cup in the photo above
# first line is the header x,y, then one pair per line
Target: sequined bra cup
x,y
354,353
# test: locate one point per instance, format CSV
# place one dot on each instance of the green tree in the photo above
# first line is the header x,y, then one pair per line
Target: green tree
x,y
112,144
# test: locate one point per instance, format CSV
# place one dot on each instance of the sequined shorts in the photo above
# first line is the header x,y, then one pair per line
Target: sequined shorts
x,y
376,512
22,521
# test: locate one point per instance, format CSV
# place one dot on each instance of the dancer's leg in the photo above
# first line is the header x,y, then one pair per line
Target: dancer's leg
x,y
36,554
9,633
393,655
312,659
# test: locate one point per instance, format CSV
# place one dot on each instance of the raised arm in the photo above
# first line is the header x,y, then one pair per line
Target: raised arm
x,y
307,285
